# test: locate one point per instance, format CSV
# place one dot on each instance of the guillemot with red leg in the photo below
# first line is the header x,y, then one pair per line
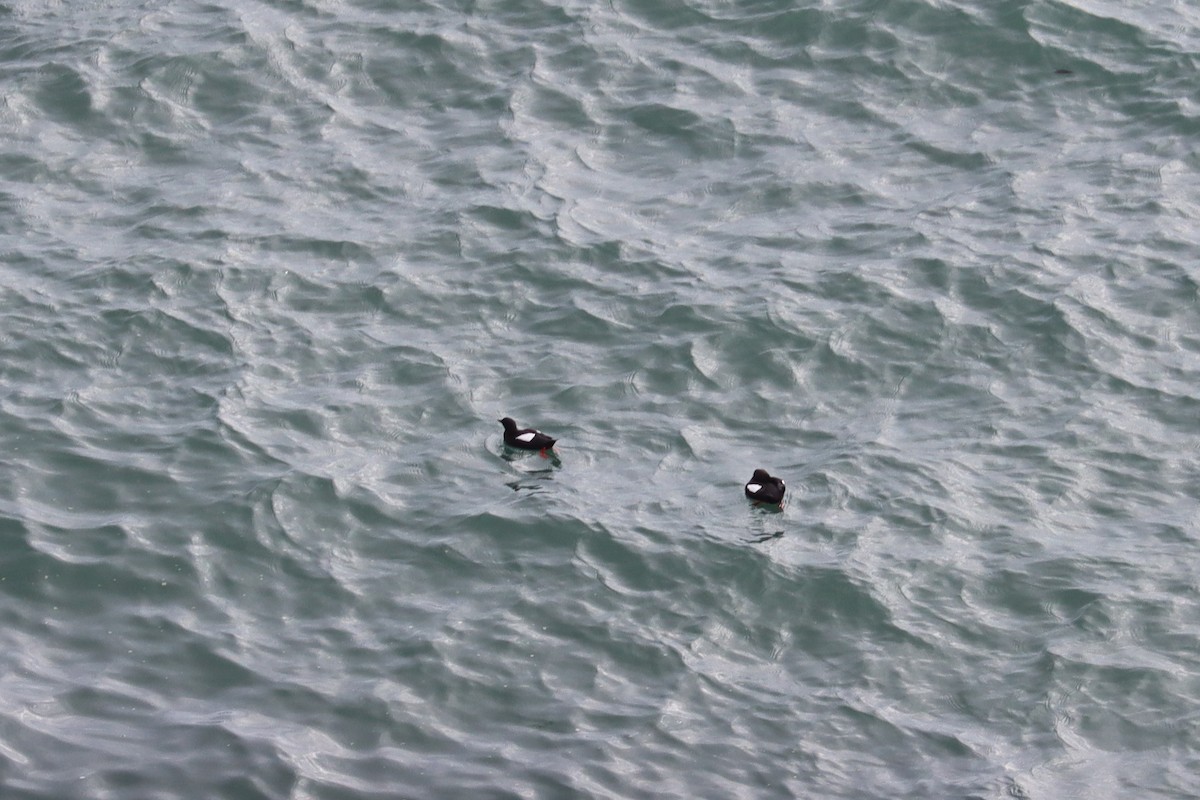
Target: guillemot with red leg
x,y
526,438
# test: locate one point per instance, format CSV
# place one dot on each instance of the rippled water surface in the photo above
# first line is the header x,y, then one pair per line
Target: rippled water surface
x,y
272,271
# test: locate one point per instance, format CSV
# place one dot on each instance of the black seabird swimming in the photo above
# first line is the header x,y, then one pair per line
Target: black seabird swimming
x,y
762,488
526,438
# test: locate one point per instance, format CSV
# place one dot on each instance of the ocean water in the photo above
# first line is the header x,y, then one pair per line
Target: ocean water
x,y
272,271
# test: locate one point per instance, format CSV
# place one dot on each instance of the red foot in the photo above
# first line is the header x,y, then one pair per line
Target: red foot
x,y
543,454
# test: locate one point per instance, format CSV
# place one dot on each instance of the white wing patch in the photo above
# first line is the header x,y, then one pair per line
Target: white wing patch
x,y
526,437
753,488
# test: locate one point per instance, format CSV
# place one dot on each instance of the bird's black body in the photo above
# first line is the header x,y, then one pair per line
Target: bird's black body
x,y
525,438
762,488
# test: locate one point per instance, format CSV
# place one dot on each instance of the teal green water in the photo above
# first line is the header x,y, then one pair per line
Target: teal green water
x,y
272,271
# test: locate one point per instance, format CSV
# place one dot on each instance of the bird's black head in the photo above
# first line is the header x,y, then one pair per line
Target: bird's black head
x,y
761,475
508,424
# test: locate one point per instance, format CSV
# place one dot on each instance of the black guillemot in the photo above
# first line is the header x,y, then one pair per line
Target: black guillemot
x,y
762,488
525,438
